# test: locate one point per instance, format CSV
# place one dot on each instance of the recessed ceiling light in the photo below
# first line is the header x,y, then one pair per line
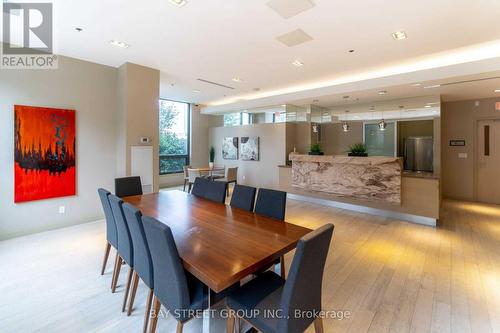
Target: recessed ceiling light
x,y
416,84
382,92
196,91
297,63
497,90
237,79
283,105
428,106
351,51
79,29
399,35
178,3
433,86
117,43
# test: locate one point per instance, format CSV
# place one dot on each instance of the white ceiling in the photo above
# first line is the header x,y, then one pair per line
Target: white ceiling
x,y
217,40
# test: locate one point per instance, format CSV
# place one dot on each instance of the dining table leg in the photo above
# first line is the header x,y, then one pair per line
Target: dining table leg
x,y
207,314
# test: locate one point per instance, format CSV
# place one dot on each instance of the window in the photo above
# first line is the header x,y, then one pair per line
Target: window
x,y
237,119
174,136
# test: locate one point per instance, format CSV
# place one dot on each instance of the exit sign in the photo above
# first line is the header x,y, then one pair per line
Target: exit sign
x,y
497,106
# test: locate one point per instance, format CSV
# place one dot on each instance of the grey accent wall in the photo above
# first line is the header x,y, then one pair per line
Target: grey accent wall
x,y
262,173
91,90
459,121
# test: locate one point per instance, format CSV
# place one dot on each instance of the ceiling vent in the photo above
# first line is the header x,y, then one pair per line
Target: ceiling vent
x,y
216,84
294,38
289,8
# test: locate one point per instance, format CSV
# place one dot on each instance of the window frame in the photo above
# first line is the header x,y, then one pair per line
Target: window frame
x,y
187,157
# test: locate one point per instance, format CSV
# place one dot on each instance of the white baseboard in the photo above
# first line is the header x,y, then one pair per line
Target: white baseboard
x,y
429,221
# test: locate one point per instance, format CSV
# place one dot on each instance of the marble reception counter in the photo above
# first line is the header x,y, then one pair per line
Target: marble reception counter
x,y
374,178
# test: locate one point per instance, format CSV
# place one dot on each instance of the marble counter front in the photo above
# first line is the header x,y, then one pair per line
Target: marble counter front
x,y
368,178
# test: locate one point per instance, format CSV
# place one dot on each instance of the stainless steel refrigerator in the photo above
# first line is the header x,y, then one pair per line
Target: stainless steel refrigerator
x,y
419,153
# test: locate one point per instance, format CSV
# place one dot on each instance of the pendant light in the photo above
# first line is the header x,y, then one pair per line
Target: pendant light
x,y
382,125
345,125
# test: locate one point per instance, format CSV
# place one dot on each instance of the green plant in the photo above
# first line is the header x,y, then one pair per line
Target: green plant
x,y
211,154
357,148
315,148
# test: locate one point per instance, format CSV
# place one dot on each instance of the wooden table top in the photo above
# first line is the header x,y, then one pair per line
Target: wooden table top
x,y
218,244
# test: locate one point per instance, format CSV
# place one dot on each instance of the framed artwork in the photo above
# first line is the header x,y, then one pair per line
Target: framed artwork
x,y
230,148
249,149
44,153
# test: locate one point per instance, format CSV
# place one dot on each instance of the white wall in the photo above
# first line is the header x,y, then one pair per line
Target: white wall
x,y
88,88
262,173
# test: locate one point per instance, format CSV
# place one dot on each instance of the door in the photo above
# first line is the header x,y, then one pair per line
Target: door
x,y
488,161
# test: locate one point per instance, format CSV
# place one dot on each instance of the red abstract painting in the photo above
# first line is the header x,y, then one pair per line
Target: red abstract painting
x,y
44,153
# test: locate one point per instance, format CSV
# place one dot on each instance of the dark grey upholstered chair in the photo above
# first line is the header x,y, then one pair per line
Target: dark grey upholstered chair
x,y
175,288
127,186
271,203
125,247
243,197
301,291
200,187
216,191
143,264
111,235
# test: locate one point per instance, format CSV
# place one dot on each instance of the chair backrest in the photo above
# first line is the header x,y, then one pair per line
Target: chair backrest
x,y
126,186
271,203
199,187
111,234
186,171
125,247
232,174
143,263
302,289
215,191
169,277
193,174
243,197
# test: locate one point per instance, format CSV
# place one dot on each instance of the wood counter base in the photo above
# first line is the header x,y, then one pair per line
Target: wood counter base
x,y
420,199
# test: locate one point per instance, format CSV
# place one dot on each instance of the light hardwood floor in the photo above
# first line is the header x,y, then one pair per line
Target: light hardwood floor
x,y
392,276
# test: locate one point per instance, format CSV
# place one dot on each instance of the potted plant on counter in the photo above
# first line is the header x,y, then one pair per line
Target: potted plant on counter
x,y
316,149
357,149
211,156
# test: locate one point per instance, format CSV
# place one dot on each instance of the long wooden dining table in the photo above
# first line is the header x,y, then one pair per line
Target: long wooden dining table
x,y
218,244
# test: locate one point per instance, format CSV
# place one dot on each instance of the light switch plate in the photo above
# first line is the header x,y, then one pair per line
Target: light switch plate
x,y
62,209
462,155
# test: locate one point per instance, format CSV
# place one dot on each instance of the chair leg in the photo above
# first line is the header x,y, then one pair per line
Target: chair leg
x,y
156,313
179,327
148,311
318,325
230,322
127,288
282,267
107,248
227,189
135,283
116,273
185,182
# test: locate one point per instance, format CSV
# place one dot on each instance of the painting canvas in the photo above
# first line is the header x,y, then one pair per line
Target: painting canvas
x,y
44,153
249,149
230,148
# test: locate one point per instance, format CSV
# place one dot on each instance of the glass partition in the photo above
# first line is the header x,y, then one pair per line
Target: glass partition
x,y
380,143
